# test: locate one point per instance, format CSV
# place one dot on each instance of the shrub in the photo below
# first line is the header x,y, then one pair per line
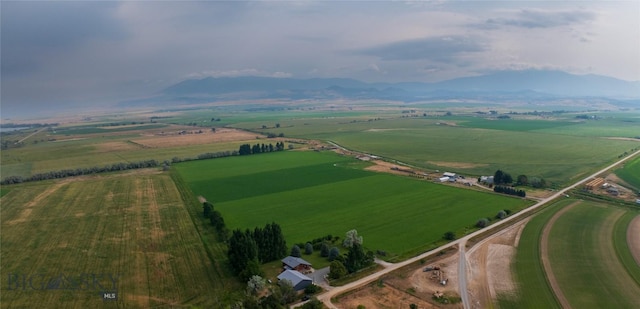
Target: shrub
x,y
449,235
482,223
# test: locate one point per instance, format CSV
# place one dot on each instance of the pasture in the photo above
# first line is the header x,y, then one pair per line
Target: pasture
x,y
132,230
584,260
313,194
588,255
631,173
559,151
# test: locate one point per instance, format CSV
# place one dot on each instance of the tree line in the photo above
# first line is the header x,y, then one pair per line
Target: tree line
x,y
509,190
246,149
80,171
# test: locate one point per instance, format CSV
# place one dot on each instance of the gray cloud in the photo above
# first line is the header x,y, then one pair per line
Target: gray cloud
x,y
32,31
542,19
99,52
440,49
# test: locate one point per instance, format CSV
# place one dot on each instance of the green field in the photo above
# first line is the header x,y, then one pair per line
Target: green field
x,y
584,260
631,173
313,194
559,151
533,289
588,254
134,226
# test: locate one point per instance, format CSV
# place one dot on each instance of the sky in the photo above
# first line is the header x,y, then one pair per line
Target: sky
x,y
97,53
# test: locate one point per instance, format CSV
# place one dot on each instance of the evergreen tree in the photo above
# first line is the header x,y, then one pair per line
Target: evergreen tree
x,y
295,251
334,253
308,248
324,250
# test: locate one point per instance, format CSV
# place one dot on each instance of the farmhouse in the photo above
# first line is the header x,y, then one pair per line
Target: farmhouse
x,y
294,263
298,280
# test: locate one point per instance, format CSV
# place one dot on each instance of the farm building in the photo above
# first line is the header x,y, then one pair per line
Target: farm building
x,y
294,263
450,175
298,280
443,179
487,179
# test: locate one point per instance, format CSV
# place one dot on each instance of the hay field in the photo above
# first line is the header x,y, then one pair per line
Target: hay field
x,y
132,230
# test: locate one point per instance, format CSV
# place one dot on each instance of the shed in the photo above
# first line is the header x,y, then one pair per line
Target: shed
x,y
443,179
296,263
298,280
450,175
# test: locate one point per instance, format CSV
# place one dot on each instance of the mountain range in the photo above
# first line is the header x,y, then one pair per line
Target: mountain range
x,y
511,84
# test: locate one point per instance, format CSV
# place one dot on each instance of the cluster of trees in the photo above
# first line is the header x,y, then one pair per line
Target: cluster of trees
x,y
509,190
247,249
246,149
216,220
355,259
500,177
80,171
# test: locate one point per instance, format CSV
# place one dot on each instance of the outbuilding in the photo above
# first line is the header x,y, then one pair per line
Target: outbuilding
x,y
297,279
296,263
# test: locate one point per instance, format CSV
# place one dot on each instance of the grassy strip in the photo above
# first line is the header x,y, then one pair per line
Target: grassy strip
x,y
533,288
216,250
631,173
621,247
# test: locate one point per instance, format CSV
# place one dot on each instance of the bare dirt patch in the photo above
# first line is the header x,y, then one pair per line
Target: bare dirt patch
x,y
490,266
457,164
633,238
174,139
409,285
115,146
382,297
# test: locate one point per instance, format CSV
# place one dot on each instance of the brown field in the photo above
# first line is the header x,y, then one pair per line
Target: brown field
x,y
633,238
173,139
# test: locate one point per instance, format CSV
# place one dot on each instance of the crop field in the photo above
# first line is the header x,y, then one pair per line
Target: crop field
x,y
473,145
313,194
65,242
80,151
584,259
587,254
631,173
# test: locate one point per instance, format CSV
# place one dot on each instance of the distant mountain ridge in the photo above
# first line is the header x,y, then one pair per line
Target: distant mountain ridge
x,y
518,84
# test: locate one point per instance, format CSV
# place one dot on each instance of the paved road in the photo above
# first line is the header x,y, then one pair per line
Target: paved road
x,y
462,275
326,297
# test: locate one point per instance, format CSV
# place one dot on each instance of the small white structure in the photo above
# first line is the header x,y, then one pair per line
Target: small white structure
x,y
450,175
486,179
443,179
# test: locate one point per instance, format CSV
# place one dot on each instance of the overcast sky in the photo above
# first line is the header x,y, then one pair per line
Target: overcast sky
x,y
96,53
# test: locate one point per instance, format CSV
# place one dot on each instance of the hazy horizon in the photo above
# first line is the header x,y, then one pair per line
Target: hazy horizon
x,y
59,54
